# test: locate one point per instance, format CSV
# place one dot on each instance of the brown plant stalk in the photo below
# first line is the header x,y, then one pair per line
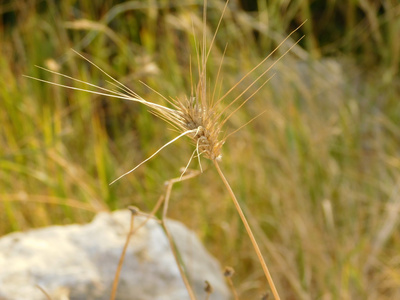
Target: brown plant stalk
x,y
248,230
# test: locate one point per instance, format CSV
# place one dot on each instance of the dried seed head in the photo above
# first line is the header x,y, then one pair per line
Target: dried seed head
x,y
198,116
265,296
134,210
203,122
208,288
228,272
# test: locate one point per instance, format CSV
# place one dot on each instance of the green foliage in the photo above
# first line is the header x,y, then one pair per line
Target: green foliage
x,y
318,172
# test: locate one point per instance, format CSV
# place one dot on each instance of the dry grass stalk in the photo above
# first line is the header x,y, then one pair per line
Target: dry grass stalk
x,y
44,292
134,212
175,250
164,199
199,117
228,273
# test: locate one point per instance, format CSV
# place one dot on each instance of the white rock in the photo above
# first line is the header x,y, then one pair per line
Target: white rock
x,y
79,262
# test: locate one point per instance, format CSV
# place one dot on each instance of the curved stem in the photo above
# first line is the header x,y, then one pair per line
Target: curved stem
x,y
249,232
121,259
173,246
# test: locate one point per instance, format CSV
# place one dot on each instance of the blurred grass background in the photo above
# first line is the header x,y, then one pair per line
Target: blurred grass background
x,y
318,173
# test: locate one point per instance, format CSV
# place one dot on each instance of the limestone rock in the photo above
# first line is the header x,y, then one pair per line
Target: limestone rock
x,y
79,262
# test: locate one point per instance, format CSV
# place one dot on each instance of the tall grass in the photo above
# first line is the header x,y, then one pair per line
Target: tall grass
x,y
318,173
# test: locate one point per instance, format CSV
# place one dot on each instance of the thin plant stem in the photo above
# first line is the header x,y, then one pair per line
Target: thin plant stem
x,y
174,249
249,231
151,215
228,273
233,289
44,292
121,259
175,253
